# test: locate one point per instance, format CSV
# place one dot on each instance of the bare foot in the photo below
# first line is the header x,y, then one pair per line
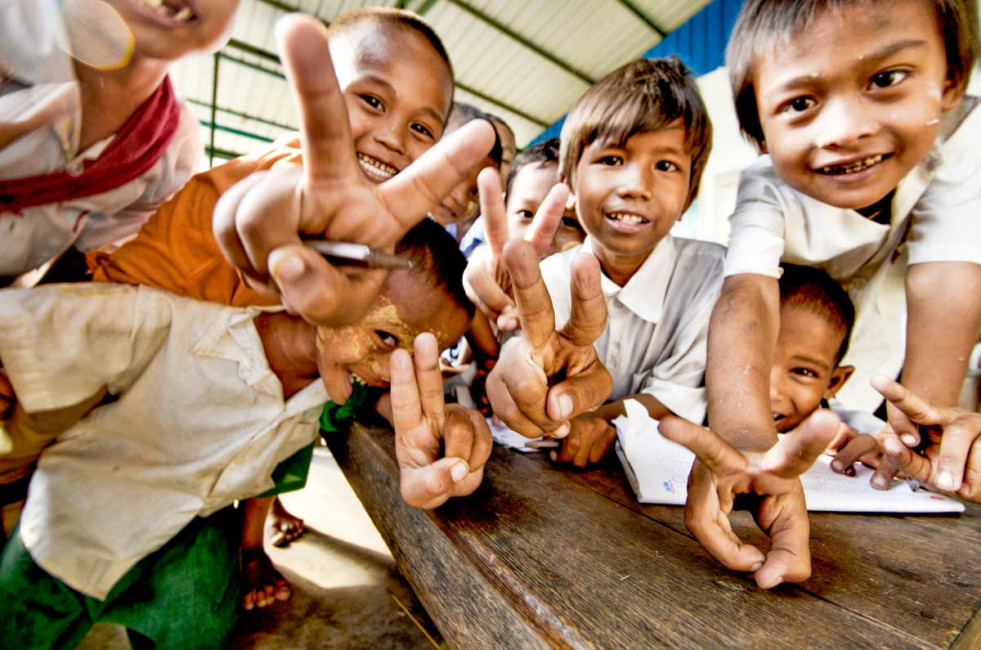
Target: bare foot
x,y
262,583
285,526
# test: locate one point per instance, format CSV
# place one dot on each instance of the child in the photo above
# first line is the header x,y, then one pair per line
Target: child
x,y
633,150
93,146
847,99
199,402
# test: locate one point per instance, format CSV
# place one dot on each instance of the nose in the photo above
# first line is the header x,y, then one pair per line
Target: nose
x,y
844,121
392,136
776,386
636,181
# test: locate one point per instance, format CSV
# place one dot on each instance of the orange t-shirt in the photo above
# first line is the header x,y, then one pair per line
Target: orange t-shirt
x,y
176,250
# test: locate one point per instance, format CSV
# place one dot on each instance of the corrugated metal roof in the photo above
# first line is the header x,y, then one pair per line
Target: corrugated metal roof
x,y
525,61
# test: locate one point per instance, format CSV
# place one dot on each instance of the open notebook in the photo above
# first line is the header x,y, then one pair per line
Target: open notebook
x,y
658,472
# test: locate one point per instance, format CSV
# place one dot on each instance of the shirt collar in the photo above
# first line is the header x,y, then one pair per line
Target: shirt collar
x,y
644,293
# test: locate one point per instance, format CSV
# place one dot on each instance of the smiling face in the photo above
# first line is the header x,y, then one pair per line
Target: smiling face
x,y
408,306
805,367
529,188
398,92
170,29
628,197
462,203
850,105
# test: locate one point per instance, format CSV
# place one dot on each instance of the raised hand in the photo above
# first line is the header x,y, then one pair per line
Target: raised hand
x,y
486,280
950,451
258,223
424,425
720,473
546,377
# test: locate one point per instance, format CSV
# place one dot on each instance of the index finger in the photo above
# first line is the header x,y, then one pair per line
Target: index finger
x,y
588,318
325,131
541,232
913,406
429,379
714,452
492,210
530,294
406,405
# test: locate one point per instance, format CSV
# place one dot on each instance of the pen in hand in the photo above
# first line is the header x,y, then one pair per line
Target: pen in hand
x,y
342,253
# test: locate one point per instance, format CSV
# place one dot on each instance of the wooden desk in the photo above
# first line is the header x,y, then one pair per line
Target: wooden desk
x,y
543,556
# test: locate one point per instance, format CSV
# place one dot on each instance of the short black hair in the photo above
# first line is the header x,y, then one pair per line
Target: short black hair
x,y
436,254
544,153
461,113
813,289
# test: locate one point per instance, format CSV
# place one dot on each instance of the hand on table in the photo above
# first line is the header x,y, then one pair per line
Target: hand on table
x,y
424,426
258,222
544,378
590,438
948,440
720,473
485,280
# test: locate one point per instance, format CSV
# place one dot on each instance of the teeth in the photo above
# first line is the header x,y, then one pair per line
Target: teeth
x,y
376,168
626,218
183,15
854,167
355,379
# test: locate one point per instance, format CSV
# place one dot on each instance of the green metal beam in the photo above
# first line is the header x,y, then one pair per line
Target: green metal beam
x,y
229,129
425,7
251,66
630,6
490,100
214,104
246,116
242,46
504,29
224,154
280,5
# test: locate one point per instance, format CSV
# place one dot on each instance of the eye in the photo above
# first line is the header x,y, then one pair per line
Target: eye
x,y
525,214
390,340
423,130
798,105
666,166
373,102
887,78
611,160
805,372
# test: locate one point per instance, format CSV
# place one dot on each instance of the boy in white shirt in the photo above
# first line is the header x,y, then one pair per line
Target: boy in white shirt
x,y
632,151
859,108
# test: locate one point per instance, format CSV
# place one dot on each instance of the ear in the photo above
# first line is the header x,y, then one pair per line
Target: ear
x,y
838,378
953,93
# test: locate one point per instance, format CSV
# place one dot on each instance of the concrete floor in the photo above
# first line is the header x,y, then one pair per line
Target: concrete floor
x,y
347,592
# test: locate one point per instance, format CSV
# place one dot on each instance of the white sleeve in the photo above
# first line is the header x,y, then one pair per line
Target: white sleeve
x,y
61,344
946,221
756,235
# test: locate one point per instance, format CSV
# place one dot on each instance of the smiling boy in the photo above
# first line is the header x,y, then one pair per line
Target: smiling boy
x,y
632,150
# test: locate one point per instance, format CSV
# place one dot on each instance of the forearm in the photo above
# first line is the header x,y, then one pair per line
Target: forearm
x,y
944,317
742,336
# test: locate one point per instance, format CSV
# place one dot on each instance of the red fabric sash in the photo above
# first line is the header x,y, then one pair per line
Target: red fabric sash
x,y
137,147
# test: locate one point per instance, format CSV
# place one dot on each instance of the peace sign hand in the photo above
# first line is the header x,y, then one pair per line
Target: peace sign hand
x,y
721,472
423,423
485,279
545,377
259,221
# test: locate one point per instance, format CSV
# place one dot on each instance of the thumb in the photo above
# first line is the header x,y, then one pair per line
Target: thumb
x,y
430,486
798,450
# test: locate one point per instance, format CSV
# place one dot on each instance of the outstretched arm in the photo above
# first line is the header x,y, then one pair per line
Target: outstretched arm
x,y
259,223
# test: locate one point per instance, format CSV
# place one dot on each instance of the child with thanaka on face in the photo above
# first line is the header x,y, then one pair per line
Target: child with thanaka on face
x,y
92,136
395,106
114,508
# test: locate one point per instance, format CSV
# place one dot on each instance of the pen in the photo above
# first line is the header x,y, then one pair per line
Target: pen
x,y
342,253
544,444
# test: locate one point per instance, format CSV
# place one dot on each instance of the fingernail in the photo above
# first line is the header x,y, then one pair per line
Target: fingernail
x,y
458,472
880,483
893,446
909,439
562,431
945,480
757,566
565,406
290,268
554,456
837,465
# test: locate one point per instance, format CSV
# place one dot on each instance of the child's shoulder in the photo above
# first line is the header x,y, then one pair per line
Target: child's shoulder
x,y
699,264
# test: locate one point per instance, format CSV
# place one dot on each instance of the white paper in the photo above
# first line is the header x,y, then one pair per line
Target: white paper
x,y
502,435
658,472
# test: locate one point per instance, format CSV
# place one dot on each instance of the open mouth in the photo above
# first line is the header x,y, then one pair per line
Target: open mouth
x,y
854,167
627,218
375,170
176,10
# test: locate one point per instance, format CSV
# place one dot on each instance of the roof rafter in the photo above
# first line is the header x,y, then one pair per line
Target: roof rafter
x,y
630,6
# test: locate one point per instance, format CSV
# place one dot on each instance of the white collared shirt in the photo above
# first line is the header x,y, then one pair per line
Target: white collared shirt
x,y
657,326
936,217
199,420
43,77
